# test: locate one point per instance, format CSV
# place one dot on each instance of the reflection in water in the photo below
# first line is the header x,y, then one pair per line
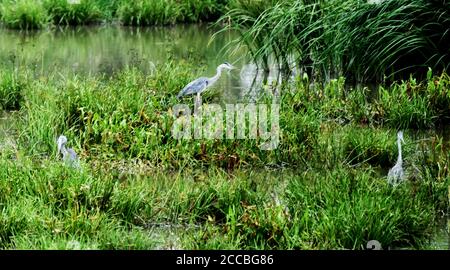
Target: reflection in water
x,y
441,237
104,50
251,79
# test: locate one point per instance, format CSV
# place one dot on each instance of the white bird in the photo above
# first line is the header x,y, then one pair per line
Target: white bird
x,y
69,155
396,174
200,85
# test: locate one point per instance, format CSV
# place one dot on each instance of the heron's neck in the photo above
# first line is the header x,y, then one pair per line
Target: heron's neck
x,y
399,159
217,76
63,150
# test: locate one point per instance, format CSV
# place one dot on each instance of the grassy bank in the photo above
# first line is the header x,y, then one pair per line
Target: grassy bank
x,y
323,187
31,14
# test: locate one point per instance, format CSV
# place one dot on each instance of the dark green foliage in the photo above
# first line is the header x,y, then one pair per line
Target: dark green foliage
x,y
64,13
362,41
323,187
23,14
11,87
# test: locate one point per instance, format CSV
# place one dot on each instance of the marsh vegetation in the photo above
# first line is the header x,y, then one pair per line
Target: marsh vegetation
x,y
324,186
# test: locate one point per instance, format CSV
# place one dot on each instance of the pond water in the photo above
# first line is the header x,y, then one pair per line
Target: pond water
x,y
105,50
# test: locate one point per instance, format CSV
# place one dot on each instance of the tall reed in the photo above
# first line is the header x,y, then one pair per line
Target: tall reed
x,y
362,41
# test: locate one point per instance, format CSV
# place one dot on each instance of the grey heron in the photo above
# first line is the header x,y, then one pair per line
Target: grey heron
x,y
396,174
69,155
200,85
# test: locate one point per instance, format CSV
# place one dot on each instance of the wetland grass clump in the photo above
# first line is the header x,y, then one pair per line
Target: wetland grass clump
x,y
385,214
30,14
11,90
338,208
60,206
335,147
166,12
64,13
130,116
144,13
363,42
23,14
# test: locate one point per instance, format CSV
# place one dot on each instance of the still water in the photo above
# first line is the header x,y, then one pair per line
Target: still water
x,y
105,50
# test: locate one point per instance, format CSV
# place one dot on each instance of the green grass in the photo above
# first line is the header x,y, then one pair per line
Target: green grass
x,y
324,187
23,14
11,88
163,12
50,206
361,41
29,14
63,13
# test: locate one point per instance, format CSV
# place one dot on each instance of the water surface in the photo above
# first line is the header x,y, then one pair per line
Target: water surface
x,y
105,50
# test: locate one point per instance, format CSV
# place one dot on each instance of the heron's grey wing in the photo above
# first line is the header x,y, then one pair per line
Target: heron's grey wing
x,y
194,87
72,159
71,155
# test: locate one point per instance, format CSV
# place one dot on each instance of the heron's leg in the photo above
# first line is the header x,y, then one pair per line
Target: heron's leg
x,y
198,103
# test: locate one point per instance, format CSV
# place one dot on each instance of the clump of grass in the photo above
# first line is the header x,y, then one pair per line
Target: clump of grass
x,y
108,8
405,109
334,193
11,90
325,209
384,215
164,12
64,13
29,14
362,41
142,13
23,14
43,121
371,146
415,105
201,10
395,38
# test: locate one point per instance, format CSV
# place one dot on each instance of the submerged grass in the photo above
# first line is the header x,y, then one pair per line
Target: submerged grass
x,y
138,185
